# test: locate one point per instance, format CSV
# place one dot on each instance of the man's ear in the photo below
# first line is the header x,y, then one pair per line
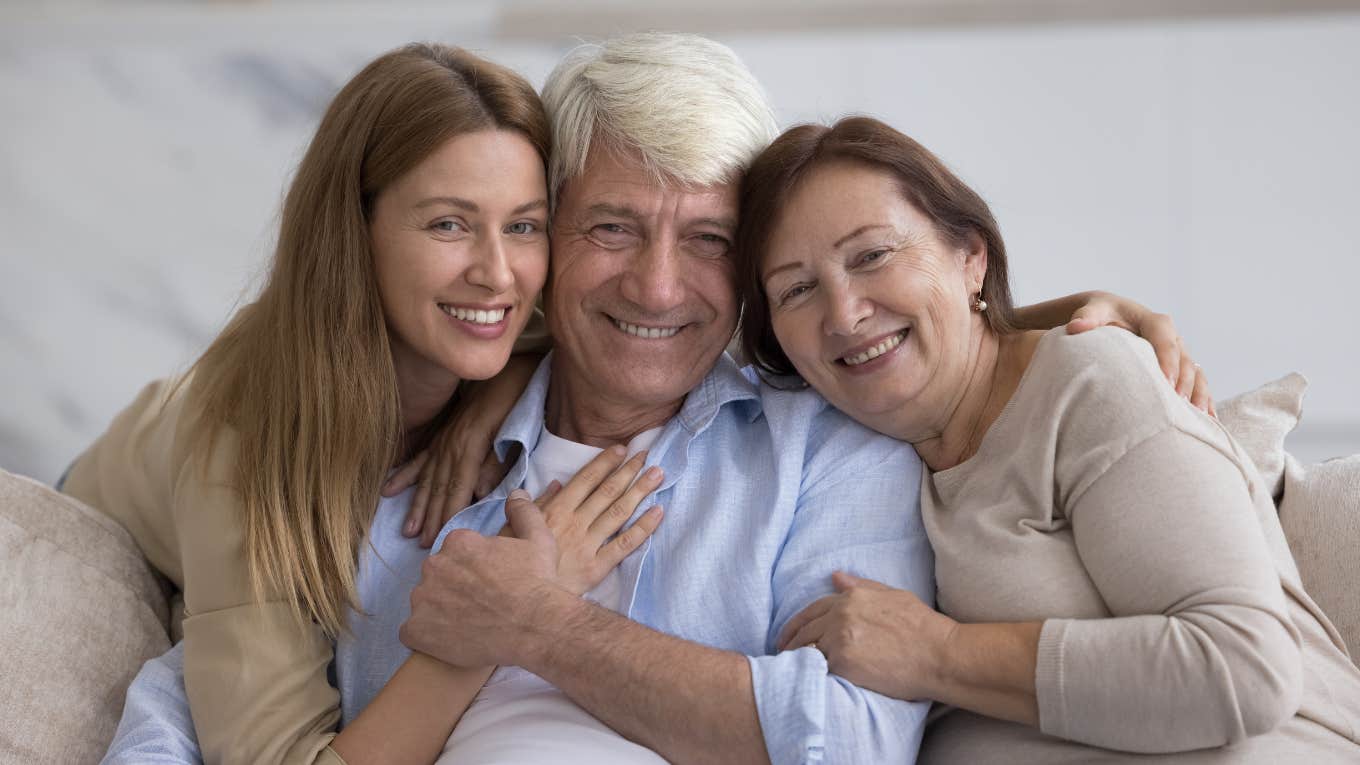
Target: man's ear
x,y
974,261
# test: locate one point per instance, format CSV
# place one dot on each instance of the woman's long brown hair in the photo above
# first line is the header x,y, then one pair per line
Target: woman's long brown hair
x,y
303,376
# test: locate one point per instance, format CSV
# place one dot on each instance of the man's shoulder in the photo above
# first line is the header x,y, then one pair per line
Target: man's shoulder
x,y
832,440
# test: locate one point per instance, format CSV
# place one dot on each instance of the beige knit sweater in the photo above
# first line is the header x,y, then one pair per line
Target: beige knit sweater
x,y
1131,524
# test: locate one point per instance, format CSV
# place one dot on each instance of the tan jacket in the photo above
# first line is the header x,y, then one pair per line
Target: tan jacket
x,y
256,679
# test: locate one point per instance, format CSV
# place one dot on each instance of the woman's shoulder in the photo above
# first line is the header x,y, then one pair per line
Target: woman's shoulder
x,y
1108,375
1108,349
138,445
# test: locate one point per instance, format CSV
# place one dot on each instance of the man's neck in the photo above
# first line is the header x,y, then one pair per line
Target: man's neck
x,y
577,411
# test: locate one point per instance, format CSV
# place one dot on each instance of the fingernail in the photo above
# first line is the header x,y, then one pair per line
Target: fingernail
x,y
410,527
654,473
618,450
521,494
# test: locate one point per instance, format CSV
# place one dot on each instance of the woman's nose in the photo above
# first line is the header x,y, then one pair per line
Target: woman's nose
x,y
491,269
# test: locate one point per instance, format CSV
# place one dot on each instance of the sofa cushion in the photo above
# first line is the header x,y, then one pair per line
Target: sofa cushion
x,y
1319,505
1260,419
1320,513
82,612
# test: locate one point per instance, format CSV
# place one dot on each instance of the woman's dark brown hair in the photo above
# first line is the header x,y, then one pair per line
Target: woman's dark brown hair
x,y
956,211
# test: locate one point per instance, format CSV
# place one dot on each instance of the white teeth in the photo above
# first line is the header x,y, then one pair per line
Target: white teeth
x,y
648,333
876,351
493,316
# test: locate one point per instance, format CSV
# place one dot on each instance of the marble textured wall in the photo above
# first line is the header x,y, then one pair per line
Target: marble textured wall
x,y
1204,168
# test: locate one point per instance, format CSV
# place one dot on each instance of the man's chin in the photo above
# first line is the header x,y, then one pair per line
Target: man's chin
x,y
644,384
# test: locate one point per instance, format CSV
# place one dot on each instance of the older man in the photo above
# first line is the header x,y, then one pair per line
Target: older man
x,y
767,492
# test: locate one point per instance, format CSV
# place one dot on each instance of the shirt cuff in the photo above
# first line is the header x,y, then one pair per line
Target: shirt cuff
x,y
790,691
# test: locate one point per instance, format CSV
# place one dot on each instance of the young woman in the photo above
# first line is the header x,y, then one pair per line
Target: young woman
x,y
412,247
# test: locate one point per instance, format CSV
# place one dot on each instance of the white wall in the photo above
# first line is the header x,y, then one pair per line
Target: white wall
x,y
1206,169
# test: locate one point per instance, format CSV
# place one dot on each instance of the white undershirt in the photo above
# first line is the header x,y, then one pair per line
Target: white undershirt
x,y
519,717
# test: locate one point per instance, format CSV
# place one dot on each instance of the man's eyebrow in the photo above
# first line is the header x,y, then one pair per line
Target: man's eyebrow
x,y
857,232
621,211
727,224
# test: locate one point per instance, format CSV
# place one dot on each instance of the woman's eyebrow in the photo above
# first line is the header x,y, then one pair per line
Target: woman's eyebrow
x,y
785,267
857,232
465,204
537,204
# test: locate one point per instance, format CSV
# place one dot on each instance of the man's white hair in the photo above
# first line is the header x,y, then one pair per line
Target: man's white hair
x,y
684,104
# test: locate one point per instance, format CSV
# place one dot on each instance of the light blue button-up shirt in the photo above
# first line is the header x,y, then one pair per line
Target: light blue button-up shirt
x,y
767,492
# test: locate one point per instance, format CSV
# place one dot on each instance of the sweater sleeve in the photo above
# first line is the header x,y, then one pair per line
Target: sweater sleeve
x,y
1200,651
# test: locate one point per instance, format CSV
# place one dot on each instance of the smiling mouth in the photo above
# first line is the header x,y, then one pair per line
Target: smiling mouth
x,y
474,316
874,352
646,333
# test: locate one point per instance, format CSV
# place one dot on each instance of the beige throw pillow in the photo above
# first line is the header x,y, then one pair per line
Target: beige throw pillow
x,y
82,611
1320,513
1260,419
1319,505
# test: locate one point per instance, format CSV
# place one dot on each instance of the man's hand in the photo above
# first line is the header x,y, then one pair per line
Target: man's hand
x,y
484,601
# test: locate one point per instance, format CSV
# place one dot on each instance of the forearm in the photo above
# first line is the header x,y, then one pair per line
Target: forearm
x,y
989,669
413,715
687,702
1051,313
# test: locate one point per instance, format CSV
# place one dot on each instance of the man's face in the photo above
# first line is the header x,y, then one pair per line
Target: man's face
x,y
641,296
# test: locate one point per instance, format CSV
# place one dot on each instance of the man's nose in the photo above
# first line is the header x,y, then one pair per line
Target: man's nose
x,y
490,268
654,278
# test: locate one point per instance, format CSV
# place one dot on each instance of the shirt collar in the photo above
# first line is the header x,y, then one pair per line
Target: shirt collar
x,y
725,384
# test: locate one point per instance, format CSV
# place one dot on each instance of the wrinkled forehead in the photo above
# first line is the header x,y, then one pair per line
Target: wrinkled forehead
x,y
624,178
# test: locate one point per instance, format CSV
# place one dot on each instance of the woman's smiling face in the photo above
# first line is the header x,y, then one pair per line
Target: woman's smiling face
x,y
869,303
460,248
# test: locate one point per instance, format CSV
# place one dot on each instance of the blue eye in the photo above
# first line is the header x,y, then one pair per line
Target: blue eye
x,y
447,226
874,256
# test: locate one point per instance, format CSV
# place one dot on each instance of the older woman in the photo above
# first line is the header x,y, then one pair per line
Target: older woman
x,y
1112,574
